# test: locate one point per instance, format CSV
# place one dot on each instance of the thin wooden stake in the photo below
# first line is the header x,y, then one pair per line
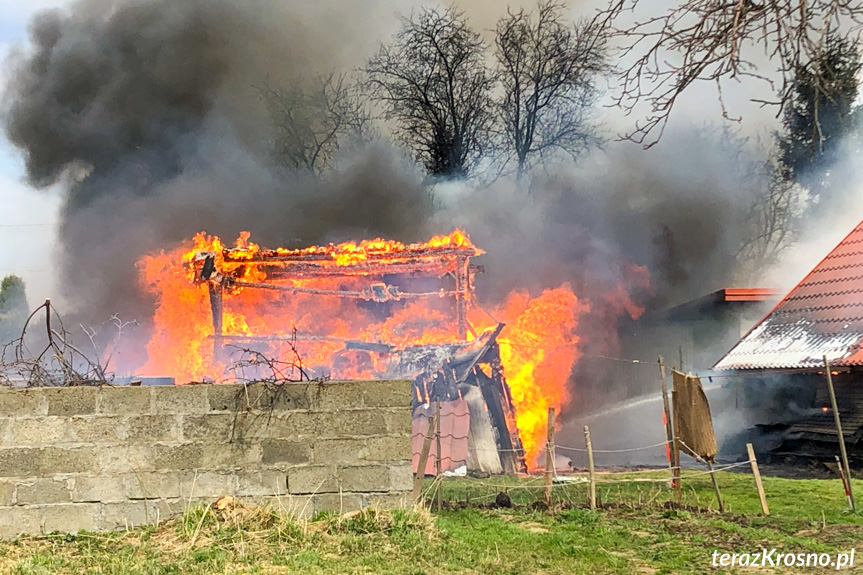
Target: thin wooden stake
x,y
675,461
590,467
424,456
48,320
549,457
666,420
716,487
438,464
754,463
844,481
839,432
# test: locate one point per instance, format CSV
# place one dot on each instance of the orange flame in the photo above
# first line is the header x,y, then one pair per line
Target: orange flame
x,y
538,346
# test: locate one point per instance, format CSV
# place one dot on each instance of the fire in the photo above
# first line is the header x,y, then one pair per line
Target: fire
x,y
182,345
332,306
538,349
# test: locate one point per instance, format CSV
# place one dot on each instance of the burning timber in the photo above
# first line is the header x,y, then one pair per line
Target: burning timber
x,y
463,369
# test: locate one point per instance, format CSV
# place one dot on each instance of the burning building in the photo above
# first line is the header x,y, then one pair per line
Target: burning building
x,y
369,310
780,360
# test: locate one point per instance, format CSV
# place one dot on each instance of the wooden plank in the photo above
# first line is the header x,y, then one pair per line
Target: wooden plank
x,y
754,463
592,492
549,457
424,456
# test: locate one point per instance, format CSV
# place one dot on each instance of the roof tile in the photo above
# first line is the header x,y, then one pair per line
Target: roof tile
x,y
822,315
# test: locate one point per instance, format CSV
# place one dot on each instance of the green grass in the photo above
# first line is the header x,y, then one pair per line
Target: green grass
x,y
638,532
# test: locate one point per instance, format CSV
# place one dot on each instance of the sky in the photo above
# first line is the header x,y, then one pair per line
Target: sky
x,y
29,217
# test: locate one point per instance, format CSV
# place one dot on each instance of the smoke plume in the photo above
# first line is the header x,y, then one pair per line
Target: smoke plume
x,y
147,111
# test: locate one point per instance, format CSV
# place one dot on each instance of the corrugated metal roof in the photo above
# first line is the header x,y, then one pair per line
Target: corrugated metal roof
x,y
823,315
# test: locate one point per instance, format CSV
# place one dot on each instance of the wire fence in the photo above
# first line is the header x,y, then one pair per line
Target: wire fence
x,y
613,486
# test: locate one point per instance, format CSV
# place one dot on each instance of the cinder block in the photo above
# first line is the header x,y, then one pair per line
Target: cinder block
x,y
250,426
354,422
122,458
43,491
333,395
285,451
179,456
387,394
19,462
362,450
168,508
151,428
125,400
214,427
399,420
152,485
387,500
17,402
96,429
296,425
282,397
401,477
268,397
37,431
261,483
180,399
7,494
204,456
226,397
365,478
54,460
129,514
340,502
68,401
207,485
313,479
71,517
102,488
15,521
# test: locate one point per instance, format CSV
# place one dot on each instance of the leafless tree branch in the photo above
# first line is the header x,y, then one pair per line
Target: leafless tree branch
x,y
717,41
433,82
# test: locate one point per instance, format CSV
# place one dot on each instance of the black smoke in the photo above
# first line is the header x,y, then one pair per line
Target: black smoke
x,y
146,112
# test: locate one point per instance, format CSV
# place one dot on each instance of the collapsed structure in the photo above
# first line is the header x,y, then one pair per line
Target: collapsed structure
x,y
461,368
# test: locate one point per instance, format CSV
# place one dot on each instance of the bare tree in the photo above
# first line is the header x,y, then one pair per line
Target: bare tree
x,y
717,41
434,83
770,221
312,120
547,67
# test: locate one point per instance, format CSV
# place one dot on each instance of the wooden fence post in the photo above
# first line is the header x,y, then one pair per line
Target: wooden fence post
x,y
424,456
590,467
839,432
675,460
754,463
716,487
549,458
438,463
666,419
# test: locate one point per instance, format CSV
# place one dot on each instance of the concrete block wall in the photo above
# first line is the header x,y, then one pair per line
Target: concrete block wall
x,y
94,458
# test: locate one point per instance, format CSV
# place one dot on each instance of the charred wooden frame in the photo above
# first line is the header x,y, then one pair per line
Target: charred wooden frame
x,y
319,263
433,383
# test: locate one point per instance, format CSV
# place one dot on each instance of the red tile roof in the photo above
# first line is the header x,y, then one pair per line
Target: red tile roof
x,y
823,315
454,430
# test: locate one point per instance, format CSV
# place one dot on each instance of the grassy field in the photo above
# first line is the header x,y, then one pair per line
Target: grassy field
x,y
638,532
